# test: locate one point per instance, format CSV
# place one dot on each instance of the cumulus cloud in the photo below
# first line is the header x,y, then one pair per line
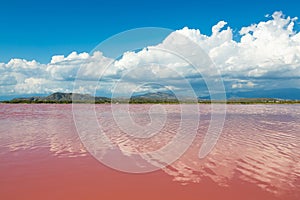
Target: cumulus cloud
x,y
266,56
268,50
243,84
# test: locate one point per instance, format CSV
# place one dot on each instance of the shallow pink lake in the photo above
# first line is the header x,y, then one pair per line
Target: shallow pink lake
x,y
256,157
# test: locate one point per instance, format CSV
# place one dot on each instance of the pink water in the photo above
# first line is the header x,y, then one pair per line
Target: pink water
x,y
256,157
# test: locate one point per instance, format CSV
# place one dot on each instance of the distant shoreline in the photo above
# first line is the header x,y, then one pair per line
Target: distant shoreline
x,y
201,102
149,98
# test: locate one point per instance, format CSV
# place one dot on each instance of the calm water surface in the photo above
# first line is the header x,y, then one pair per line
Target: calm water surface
x,y
256,157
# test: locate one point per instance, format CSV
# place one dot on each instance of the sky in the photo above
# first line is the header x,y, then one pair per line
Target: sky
x,y
40,29
36,34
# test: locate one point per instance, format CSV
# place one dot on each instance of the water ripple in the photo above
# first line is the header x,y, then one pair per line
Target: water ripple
x,y
259,143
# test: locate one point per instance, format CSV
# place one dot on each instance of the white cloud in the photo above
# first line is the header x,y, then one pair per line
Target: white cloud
x,y
216,28
268,50
243,84
31,85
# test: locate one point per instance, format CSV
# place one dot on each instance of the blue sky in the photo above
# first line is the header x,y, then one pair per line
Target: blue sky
x,y
40,29
255,44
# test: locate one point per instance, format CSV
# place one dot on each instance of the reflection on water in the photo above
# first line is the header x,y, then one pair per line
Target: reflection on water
x,y
39,126
259,144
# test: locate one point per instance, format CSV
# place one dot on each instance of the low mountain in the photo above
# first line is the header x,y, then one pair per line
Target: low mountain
x,y
60,97
154,97
284,94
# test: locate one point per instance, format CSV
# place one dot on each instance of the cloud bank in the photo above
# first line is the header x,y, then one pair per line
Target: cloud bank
x,y
267,56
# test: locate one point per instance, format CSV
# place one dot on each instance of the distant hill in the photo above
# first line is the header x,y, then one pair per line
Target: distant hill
x,y
284,94
155,97
60,97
